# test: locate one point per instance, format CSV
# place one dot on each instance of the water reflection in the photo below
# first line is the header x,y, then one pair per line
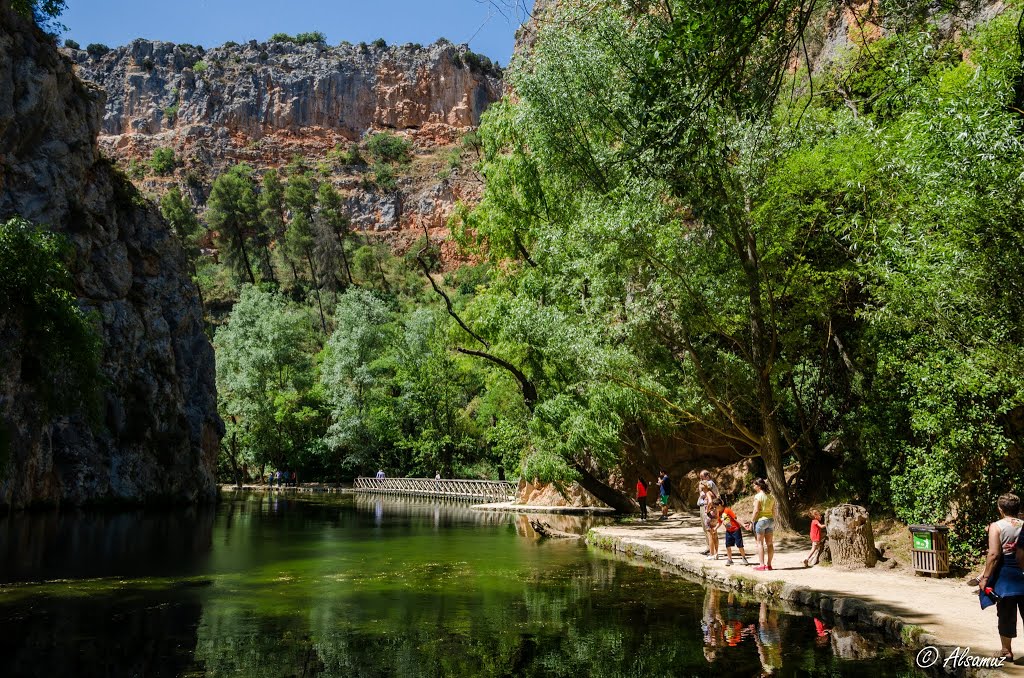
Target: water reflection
x,y
380,586
81,544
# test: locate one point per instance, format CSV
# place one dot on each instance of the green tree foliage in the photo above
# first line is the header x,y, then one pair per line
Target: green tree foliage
x,y
739,251
300,197
386,147
332,231
179,214
231,213
58,347
266,385
310,38
384,177
352,371
435,424
162,161
43,12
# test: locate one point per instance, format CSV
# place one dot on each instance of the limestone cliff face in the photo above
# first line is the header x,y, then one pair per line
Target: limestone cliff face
x,y
258,88
264,103
159,433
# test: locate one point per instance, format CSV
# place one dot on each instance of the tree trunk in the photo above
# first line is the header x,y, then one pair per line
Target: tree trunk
x,y
234,459
762,356
269,264
608,495
240,239
316,289
850,539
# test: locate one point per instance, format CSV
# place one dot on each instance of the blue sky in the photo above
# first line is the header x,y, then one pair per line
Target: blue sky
x,y
214,22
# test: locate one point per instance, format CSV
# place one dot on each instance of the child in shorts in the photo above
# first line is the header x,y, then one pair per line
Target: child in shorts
x,y
733,532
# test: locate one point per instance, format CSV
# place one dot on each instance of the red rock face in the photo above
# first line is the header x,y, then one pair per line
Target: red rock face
x,y
265,103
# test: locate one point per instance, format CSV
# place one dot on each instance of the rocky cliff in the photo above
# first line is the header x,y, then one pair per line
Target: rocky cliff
x,y
264,103
159,433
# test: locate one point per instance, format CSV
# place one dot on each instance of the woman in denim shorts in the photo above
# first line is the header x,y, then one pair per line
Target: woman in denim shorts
x,y
762,521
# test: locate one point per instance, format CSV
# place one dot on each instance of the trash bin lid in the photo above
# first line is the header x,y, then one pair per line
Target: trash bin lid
x,y
928,528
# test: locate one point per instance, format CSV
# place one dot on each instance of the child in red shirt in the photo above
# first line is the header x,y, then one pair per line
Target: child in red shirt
x,y
816,527
733,531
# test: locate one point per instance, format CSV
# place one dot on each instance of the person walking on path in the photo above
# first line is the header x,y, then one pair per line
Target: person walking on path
x,y
641,496
1002,574
816,527
664,488
733,533
762,521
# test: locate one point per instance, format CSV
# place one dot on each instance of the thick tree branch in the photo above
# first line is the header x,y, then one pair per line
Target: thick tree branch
x,y
529,390
448,301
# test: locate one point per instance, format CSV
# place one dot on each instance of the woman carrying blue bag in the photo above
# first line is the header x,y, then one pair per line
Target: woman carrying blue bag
x,y
1002,580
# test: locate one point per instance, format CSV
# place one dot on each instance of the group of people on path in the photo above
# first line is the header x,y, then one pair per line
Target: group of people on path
x,y
715,514
283,479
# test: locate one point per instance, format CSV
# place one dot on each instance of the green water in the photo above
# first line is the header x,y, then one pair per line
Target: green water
x,y
360,585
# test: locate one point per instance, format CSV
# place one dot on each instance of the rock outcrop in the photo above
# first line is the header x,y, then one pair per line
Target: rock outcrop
x,y
159,433
265,103
259,88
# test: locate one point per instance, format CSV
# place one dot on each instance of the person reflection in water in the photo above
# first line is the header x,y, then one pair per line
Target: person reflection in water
x,y
733,630
769,640
712,624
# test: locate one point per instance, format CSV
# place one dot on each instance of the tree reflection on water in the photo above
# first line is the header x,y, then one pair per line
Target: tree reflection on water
x,y
375,586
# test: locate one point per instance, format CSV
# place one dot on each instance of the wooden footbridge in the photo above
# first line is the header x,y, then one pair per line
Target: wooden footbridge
x,y
483,491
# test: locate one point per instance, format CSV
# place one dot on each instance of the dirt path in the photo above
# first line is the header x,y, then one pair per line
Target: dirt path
x,y
946,610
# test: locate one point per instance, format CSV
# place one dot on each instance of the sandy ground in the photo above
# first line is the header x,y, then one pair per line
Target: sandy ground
x,y
945,608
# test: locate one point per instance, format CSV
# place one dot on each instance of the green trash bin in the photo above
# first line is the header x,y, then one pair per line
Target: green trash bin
x,y
930,549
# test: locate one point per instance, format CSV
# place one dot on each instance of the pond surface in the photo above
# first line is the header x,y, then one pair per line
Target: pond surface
x,y
359,585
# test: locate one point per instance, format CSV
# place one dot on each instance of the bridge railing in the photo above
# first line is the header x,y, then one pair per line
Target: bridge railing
x,y
467,490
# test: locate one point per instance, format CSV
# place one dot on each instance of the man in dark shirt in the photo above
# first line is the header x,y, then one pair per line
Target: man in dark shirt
x,y
665,488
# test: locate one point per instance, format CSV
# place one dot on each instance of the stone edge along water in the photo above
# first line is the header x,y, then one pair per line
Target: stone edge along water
x,y
892,627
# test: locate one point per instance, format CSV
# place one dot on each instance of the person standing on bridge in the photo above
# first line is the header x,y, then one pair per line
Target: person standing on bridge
x,y
380,474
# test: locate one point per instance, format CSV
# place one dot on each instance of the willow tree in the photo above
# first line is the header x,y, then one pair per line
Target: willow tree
x,y
627,179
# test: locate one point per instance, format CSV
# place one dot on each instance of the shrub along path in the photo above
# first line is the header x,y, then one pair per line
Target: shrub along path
x,y
921,610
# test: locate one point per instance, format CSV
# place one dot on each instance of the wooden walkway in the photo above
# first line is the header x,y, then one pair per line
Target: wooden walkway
x,y
461,490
